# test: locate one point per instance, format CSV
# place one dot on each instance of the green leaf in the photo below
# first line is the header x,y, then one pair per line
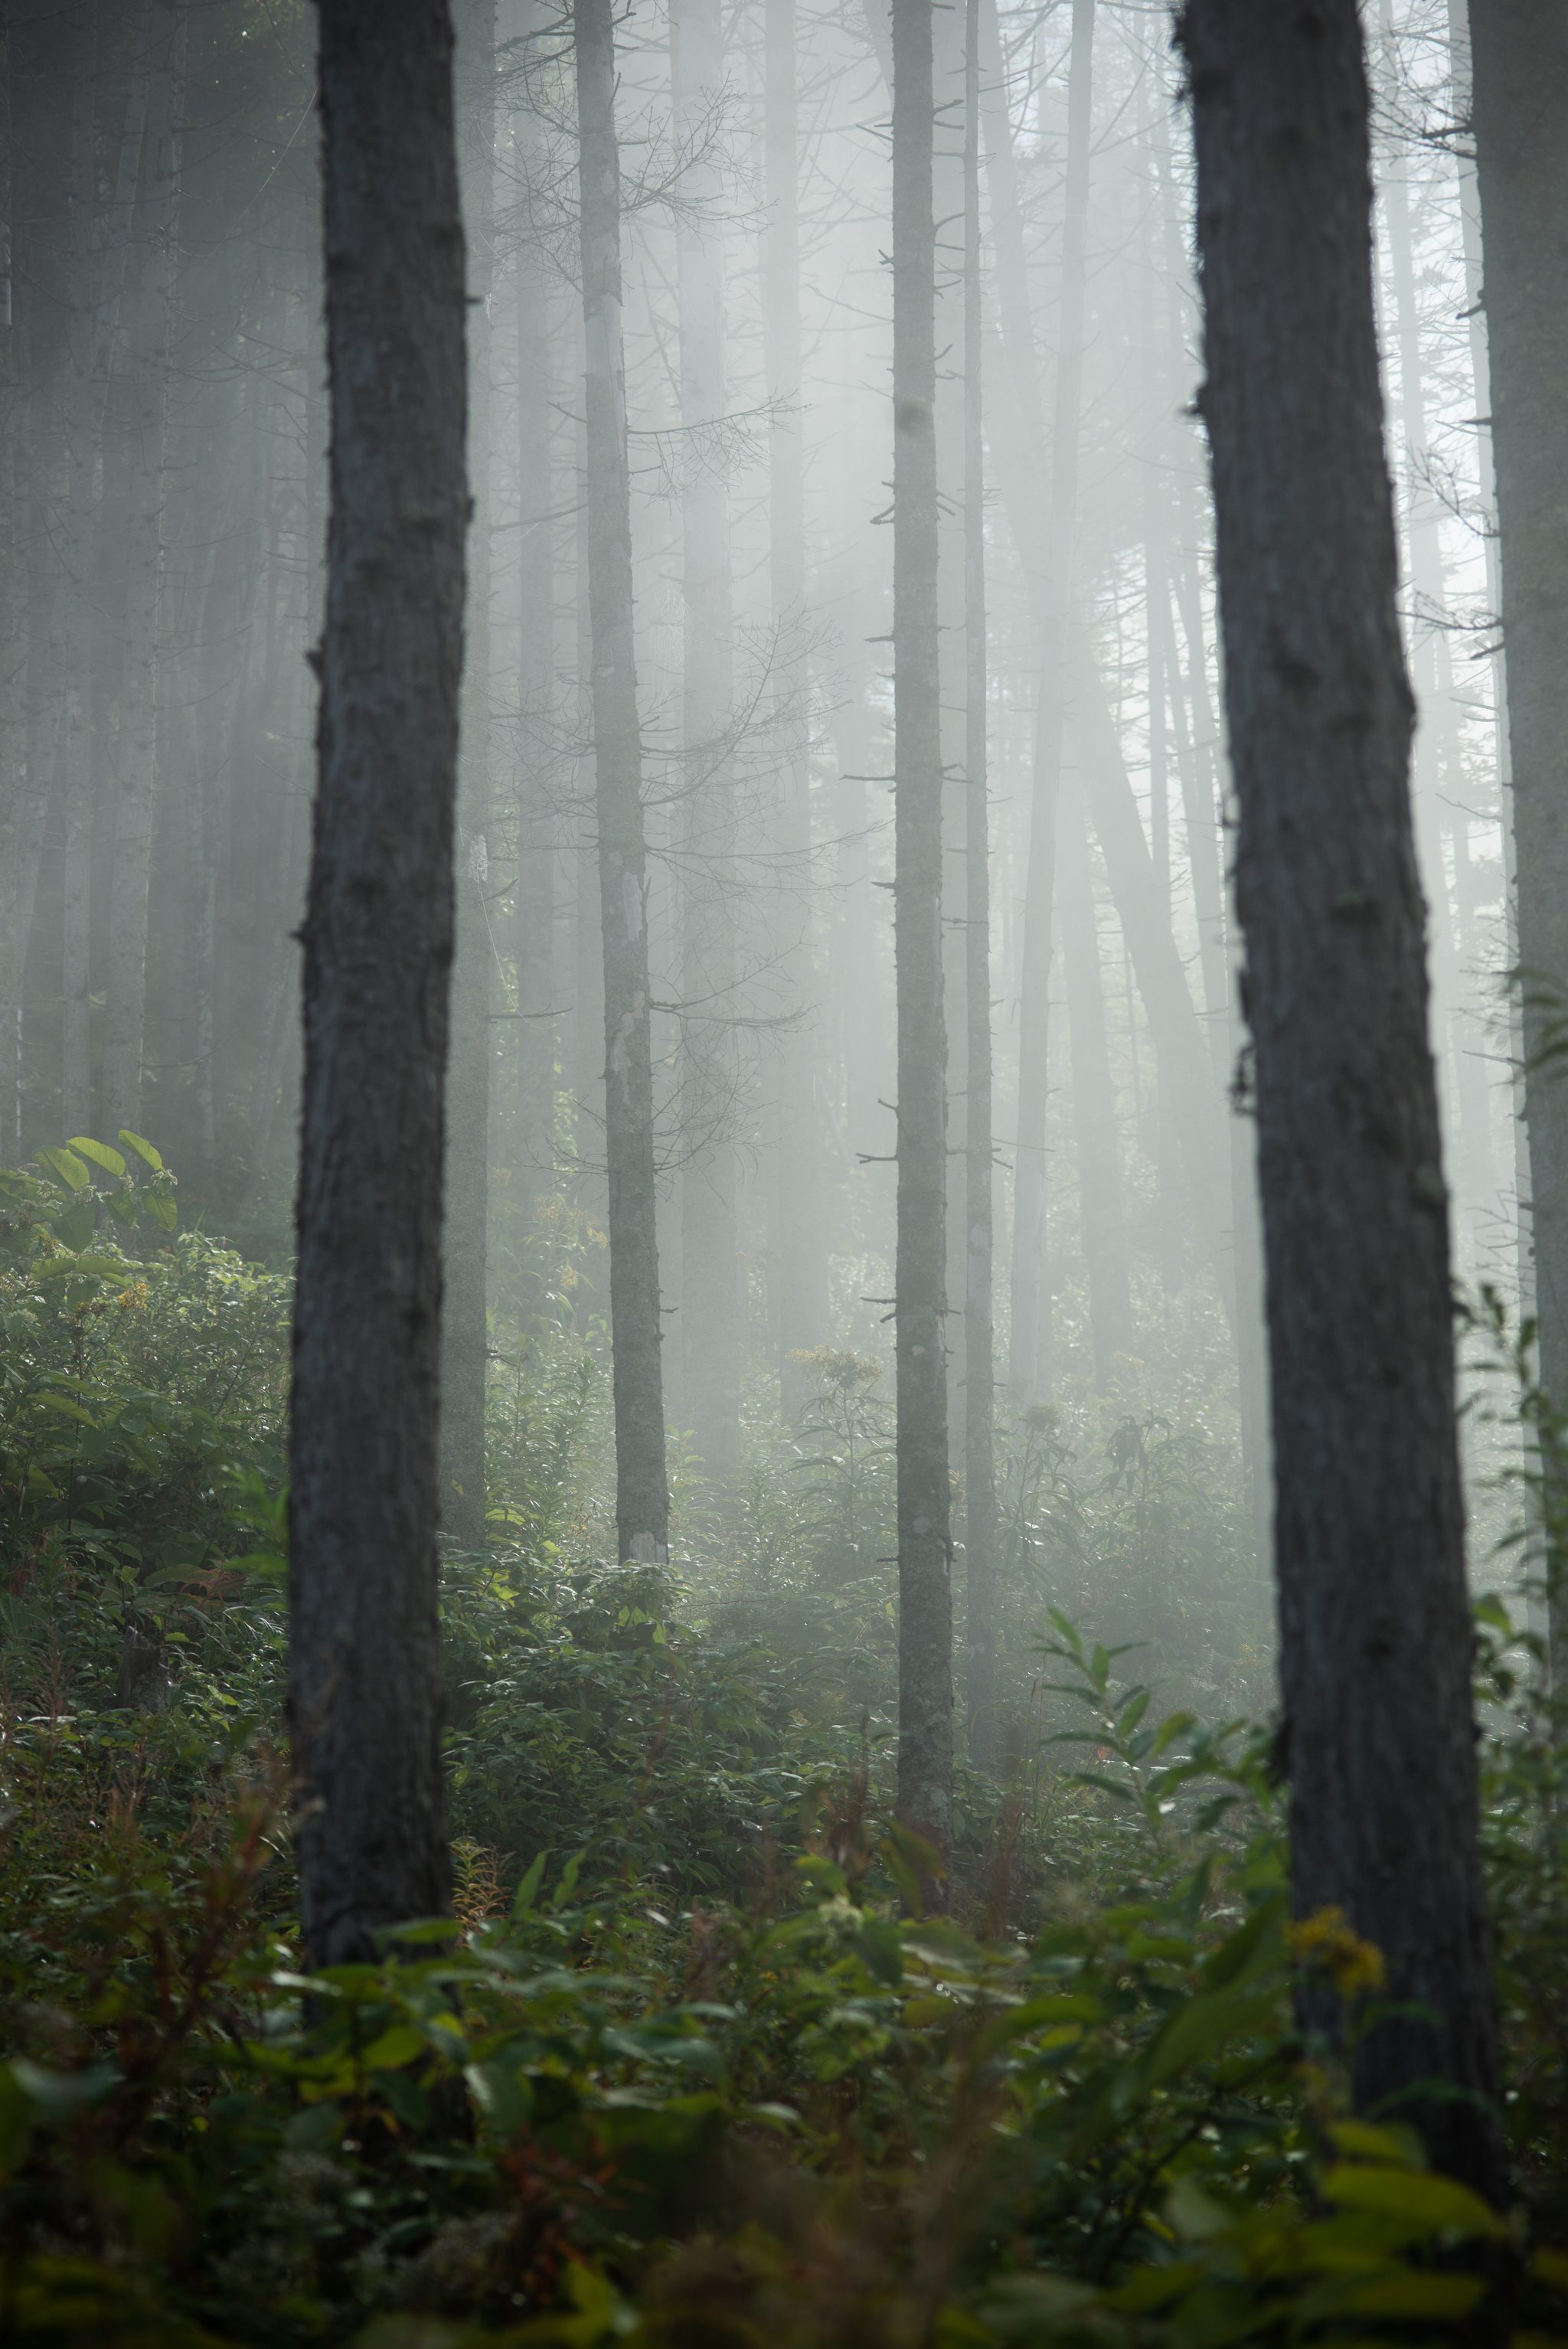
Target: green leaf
x,y
1415,2295
881,1951
1439,2203
161,1208
71,1410
401,2043
144,1150
1252,1941
99,1153
66,1168
528,1890
1132,1712
122,1205
1201,2025
74,1224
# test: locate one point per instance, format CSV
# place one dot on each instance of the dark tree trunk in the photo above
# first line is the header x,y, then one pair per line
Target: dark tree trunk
x,y
979,1371
642,1491
924,1544
464,1333
365,1692
1520,110
1378,1738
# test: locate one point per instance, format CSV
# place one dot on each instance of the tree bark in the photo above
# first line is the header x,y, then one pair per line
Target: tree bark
x,y
365,1692
1379,1741
979,1366
464,1332
1519,51
642,1491
924,1544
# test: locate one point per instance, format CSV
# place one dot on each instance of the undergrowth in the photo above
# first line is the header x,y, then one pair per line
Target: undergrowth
x,y
689,2067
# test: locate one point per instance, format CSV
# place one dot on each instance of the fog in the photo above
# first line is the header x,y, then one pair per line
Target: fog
x,y
164,509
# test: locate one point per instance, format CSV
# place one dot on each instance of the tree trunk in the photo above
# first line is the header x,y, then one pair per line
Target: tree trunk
x,y
709,1335
803,1254
1379,1741
979,1369
464,1334
1520,67
924,1545
533,1143
365,1692
150,360
1102,1217
76,755
642,1491
1029,1372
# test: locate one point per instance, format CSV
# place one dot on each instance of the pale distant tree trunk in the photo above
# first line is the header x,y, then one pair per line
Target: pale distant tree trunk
x,y
1378,1737
464,1335
365,1689
1102,1217
802,1317
534,1146
924,1543
74,749
979,1369
137,766
1028,1369
1520,69
710,1077
642,1491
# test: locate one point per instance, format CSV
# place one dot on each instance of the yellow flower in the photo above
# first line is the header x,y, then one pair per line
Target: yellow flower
x,y
1324,1940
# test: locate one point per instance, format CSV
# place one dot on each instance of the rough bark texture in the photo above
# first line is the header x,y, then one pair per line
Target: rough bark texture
x,y
1379,1738
924,1545
464,1331
642,1492
979,1369
1520,110
365,1692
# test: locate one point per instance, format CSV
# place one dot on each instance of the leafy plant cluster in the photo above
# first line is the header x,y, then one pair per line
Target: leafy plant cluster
x,y
688,2068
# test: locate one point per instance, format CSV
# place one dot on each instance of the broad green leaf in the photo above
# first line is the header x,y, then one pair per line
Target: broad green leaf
x,y
528,1890
1197,2029
161,1208
71,1410
99,1153
1415,2295
397,2045
1441,2203
122,1205
144,1150
66,1168
74,1224
1240,1952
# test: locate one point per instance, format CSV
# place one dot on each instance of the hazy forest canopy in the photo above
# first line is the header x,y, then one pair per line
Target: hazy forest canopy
x,y
782,1160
